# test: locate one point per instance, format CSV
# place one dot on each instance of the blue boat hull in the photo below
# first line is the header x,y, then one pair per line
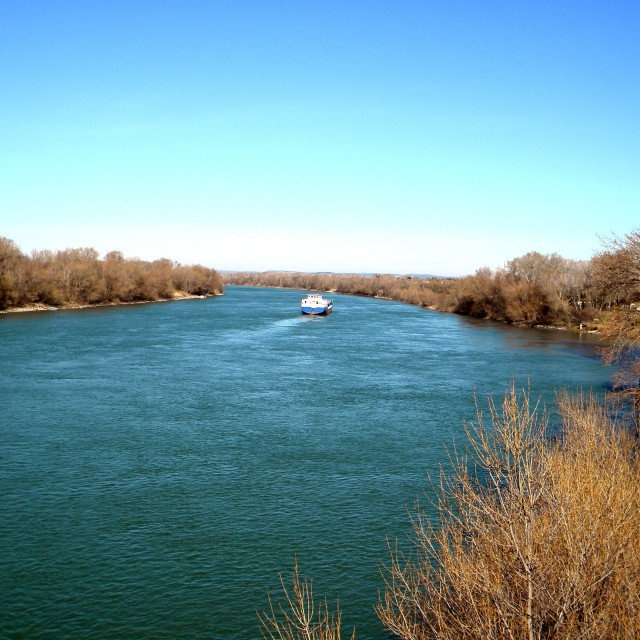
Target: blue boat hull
x,y
314,311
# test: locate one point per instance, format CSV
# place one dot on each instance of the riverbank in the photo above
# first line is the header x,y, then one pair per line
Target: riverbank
x,y
433,294
78,278
502,296
40,307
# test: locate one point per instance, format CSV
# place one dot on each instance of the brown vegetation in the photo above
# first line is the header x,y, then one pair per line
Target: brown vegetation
x,y
617,270
535,537
533,289
425,292
297,619
78,277
534,540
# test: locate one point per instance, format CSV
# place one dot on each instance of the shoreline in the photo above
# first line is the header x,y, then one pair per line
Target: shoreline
x,y
39,307
545,327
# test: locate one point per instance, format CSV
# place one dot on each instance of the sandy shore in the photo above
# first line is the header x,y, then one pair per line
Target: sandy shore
x,y
37,307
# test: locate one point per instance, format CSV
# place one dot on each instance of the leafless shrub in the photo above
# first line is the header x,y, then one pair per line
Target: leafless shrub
x,y
534,539
298,620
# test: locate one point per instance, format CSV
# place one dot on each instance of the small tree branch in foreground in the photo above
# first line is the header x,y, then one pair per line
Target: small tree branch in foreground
x,y
297,620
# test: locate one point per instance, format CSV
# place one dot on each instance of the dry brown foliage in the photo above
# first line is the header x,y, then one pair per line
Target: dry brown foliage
x,y
421,291
535,539
78,276
617,269
550,290
298,620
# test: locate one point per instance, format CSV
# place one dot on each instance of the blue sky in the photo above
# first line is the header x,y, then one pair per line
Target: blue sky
x,y
409,136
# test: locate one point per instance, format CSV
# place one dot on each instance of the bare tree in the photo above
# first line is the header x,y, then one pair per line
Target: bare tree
x,y
78,276
617,269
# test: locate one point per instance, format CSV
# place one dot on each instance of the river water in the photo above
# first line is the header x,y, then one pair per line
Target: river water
x,y
161,464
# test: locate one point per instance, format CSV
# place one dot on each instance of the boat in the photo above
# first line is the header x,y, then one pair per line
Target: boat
x,y
315,305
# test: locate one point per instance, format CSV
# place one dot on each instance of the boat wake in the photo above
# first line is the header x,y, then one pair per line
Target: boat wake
x,y
250,333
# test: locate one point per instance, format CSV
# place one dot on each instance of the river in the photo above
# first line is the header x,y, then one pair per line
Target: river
x,y
161,464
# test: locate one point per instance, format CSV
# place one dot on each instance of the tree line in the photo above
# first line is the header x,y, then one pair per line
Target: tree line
x,y
80,277
530,290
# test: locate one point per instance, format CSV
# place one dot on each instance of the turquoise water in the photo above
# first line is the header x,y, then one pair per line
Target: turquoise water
x,y
161,464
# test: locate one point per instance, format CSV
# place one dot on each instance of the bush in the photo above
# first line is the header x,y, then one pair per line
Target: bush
x,y
297,619
535,539
535,536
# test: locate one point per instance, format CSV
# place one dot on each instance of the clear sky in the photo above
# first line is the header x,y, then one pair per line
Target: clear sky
x,y
408,136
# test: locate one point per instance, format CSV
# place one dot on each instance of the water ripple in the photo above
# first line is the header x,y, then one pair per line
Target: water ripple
x,y
161,464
